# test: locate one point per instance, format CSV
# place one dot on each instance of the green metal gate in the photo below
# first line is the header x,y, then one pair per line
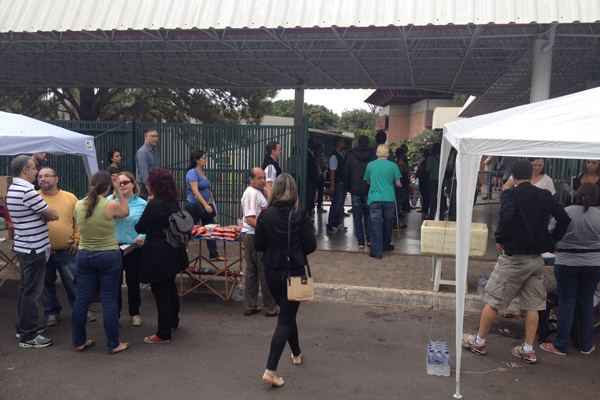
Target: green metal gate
x,y
232,151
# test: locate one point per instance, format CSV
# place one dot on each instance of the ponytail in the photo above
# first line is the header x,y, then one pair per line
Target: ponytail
x,y
100,183
588,195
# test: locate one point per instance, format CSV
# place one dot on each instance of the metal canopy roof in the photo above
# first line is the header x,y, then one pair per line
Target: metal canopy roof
x,y
284,44
384,97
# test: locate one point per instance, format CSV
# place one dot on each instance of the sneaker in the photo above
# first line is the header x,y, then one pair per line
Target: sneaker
x,y
528,357
332,229
52,320
361,246
91,316
470,342
136,321
590,351
154,339
550,348
38,342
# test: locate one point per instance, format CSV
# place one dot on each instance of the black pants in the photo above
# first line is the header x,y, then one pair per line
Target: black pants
x,y
167,304
131,268
320,192
287,329
311,191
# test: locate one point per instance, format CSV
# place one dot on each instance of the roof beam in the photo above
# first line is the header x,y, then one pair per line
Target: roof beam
x,y
408,59
468,50
355,57
301,55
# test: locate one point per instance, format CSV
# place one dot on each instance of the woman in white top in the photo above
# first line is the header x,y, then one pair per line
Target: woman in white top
x,y
538,177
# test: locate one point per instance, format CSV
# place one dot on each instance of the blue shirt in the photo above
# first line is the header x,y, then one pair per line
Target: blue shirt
x,y
203,186
125,227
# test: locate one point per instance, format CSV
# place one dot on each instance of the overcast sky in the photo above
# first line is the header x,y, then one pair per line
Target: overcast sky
x,y
337,100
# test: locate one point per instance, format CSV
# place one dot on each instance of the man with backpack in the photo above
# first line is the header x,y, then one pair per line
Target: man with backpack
x,y
356,163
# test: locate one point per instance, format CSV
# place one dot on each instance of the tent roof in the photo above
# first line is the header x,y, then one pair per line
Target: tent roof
x,y
24,135
563,127
107,15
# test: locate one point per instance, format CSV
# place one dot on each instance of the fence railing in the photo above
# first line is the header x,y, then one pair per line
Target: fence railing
x,y
232,151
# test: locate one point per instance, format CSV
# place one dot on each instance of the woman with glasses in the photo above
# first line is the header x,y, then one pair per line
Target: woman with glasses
x,y
200,202
131,242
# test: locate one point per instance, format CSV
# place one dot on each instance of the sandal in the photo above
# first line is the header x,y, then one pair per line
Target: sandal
x,y
120,348
297,360
217,258
88,343
271,378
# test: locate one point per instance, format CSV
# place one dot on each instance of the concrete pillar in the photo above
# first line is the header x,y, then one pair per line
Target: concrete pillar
x,y
541,66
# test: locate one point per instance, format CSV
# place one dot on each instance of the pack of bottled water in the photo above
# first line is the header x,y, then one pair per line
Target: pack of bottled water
x,y
438,358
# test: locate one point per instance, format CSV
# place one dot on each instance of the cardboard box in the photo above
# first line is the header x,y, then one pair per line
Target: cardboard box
x,y
439,238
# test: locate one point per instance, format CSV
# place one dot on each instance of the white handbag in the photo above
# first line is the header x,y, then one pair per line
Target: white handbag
x,y
299,288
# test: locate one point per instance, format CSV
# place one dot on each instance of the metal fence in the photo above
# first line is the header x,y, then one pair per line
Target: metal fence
x,y
232,151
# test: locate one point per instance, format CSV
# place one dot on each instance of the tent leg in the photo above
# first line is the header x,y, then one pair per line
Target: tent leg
x,y
437,273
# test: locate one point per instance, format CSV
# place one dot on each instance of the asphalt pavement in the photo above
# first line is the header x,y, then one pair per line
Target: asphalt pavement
x,y
352,352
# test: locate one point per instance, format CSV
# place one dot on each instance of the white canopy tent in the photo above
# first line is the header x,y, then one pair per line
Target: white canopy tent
x,y
563,127
24,135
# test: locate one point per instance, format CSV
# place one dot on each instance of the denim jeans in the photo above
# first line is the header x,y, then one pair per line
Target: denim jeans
x,y
576,287
97,271
63,263
382,220
360,217
336,211
29,298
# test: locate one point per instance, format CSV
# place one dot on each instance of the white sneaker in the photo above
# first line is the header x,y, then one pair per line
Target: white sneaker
x,y
136,321
38,342
51,320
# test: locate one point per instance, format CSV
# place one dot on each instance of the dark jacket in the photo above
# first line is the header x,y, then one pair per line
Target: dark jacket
x,y
524,215
356,163
160,261
270,161
313,172
271,238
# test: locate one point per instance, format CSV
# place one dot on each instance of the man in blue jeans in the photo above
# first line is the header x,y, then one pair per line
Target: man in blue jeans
x,y
356,164
383,177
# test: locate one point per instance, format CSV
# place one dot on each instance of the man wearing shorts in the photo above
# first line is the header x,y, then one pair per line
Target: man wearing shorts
x,y
522,236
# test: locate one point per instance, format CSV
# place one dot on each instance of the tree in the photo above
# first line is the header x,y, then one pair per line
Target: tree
x,y
361,122
152,104
318,116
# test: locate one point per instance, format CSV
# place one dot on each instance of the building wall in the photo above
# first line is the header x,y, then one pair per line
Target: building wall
x,y
408,121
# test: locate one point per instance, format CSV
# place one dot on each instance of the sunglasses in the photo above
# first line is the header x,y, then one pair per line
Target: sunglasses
x,y
124,183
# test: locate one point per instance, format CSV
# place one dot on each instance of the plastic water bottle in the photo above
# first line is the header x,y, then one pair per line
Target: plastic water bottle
x,y
438,358
483,279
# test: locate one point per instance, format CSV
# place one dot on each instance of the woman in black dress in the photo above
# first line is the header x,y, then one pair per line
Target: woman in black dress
x,y
281,218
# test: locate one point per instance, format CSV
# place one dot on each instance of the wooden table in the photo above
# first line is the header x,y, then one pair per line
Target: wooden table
x,y
228,271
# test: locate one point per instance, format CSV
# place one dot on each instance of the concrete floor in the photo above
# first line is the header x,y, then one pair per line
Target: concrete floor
x,y
352,352
406,241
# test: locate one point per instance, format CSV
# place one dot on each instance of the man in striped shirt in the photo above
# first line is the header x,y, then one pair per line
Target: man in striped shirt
x,y
29,214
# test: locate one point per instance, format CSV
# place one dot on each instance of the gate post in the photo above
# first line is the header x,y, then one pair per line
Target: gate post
x,y
300,142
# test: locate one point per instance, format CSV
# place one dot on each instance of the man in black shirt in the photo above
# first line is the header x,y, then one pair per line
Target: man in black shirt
x,y
336,188
522,236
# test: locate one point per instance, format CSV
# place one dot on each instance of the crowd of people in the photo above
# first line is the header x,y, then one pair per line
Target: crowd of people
x,y
120,231
121,228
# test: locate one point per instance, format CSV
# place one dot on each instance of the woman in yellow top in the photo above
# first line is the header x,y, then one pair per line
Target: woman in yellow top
x,y
99,261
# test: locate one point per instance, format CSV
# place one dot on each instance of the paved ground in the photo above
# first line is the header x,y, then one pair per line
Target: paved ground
x,y
351,352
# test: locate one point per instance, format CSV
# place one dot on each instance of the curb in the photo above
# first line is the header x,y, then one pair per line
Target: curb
x,y
393,297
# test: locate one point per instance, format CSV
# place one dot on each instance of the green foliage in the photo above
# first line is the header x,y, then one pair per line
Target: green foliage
x,y
319,117
418,144
149,104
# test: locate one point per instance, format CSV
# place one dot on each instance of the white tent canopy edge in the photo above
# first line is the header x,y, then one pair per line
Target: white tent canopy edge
x,y
20,134
562,127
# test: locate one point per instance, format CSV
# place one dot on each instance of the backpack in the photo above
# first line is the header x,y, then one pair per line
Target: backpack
x,y
180,227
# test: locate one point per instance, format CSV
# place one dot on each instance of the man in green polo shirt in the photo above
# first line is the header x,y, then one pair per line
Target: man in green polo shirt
x,y
383,176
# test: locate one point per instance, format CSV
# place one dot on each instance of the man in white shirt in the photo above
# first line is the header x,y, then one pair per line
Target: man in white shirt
x,y
30,215
271,166
253,202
